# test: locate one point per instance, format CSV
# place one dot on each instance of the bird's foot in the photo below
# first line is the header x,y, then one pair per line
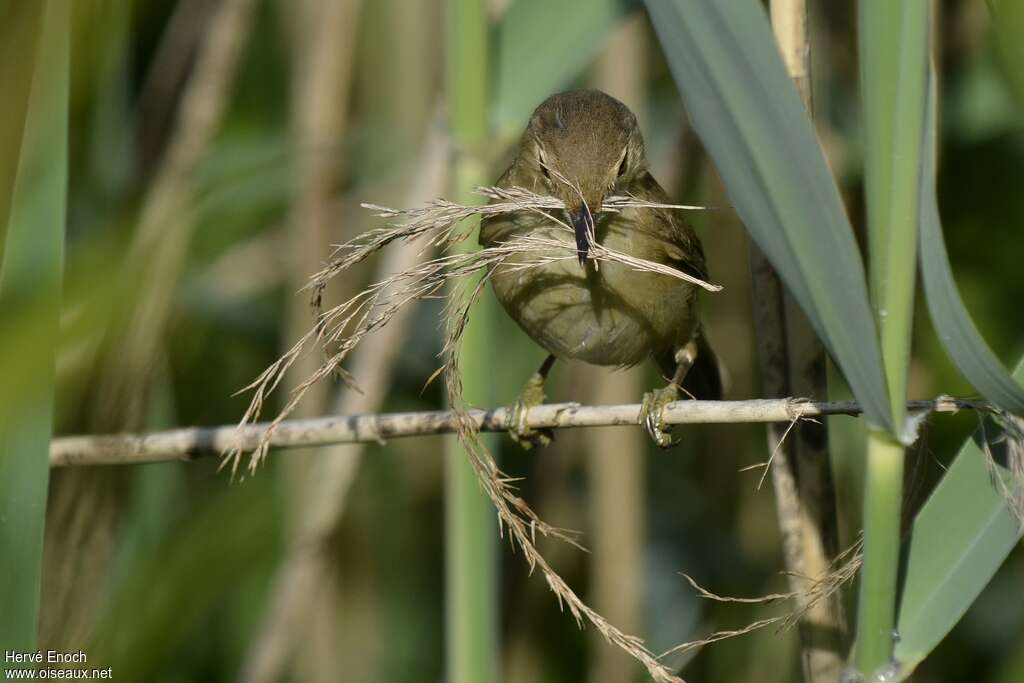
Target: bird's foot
x,y
524,435
651,414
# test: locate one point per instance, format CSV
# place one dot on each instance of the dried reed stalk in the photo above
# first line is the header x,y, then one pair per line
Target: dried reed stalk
x,y
792,362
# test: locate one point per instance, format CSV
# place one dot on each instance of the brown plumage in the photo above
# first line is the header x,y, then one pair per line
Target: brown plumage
x,y
582,146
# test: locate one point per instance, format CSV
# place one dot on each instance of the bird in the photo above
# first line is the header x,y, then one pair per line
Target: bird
x,y
581,147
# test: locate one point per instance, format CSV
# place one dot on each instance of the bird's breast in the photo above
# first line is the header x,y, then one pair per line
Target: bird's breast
x,y
606,313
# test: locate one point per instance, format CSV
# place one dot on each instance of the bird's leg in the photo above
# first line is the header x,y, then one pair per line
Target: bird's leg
x,y
653,406
531,395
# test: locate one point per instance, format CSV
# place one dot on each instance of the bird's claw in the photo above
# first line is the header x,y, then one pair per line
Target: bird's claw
x,y
651,415
524,435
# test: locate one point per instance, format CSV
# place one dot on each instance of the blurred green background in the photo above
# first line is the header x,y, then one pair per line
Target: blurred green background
x,y
218,149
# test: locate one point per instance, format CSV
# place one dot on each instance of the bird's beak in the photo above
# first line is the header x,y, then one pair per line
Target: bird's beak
x,y
583,226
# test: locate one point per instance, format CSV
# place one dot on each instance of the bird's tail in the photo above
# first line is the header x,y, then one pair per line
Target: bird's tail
x,y
704,380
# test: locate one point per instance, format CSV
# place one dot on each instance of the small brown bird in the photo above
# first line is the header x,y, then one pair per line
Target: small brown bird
x,y
581,147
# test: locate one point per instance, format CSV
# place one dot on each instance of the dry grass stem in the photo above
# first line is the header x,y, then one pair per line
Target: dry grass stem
x,y
775,451
515,517
842,570
339,329
440,225
620,202
1010,442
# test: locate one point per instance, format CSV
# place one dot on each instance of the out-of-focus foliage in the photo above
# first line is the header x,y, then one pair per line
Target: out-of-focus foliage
x,y
1008,26
184,560
34,185
541,48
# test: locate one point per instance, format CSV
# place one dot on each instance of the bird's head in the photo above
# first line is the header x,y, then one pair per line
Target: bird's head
x,y
582,146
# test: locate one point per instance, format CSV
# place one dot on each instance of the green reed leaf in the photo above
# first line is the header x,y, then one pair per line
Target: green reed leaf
x,y
964,344
957,542
30,280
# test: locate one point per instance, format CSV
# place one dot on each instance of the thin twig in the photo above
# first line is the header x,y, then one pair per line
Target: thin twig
x,y
190,443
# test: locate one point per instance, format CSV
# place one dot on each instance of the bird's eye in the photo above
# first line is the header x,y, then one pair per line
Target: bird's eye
x,y
544,170
622,166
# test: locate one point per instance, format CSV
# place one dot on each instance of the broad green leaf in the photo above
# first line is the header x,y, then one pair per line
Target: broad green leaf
x,y
19,37
893,66
747,112
541,47
30,276
964,344
957,542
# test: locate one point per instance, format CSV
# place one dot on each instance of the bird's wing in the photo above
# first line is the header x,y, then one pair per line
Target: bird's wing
x,y
681,245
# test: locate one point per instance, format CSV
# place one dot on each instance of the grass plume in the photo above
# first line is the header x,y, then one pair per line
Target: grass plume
x,y
441,225
843,569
